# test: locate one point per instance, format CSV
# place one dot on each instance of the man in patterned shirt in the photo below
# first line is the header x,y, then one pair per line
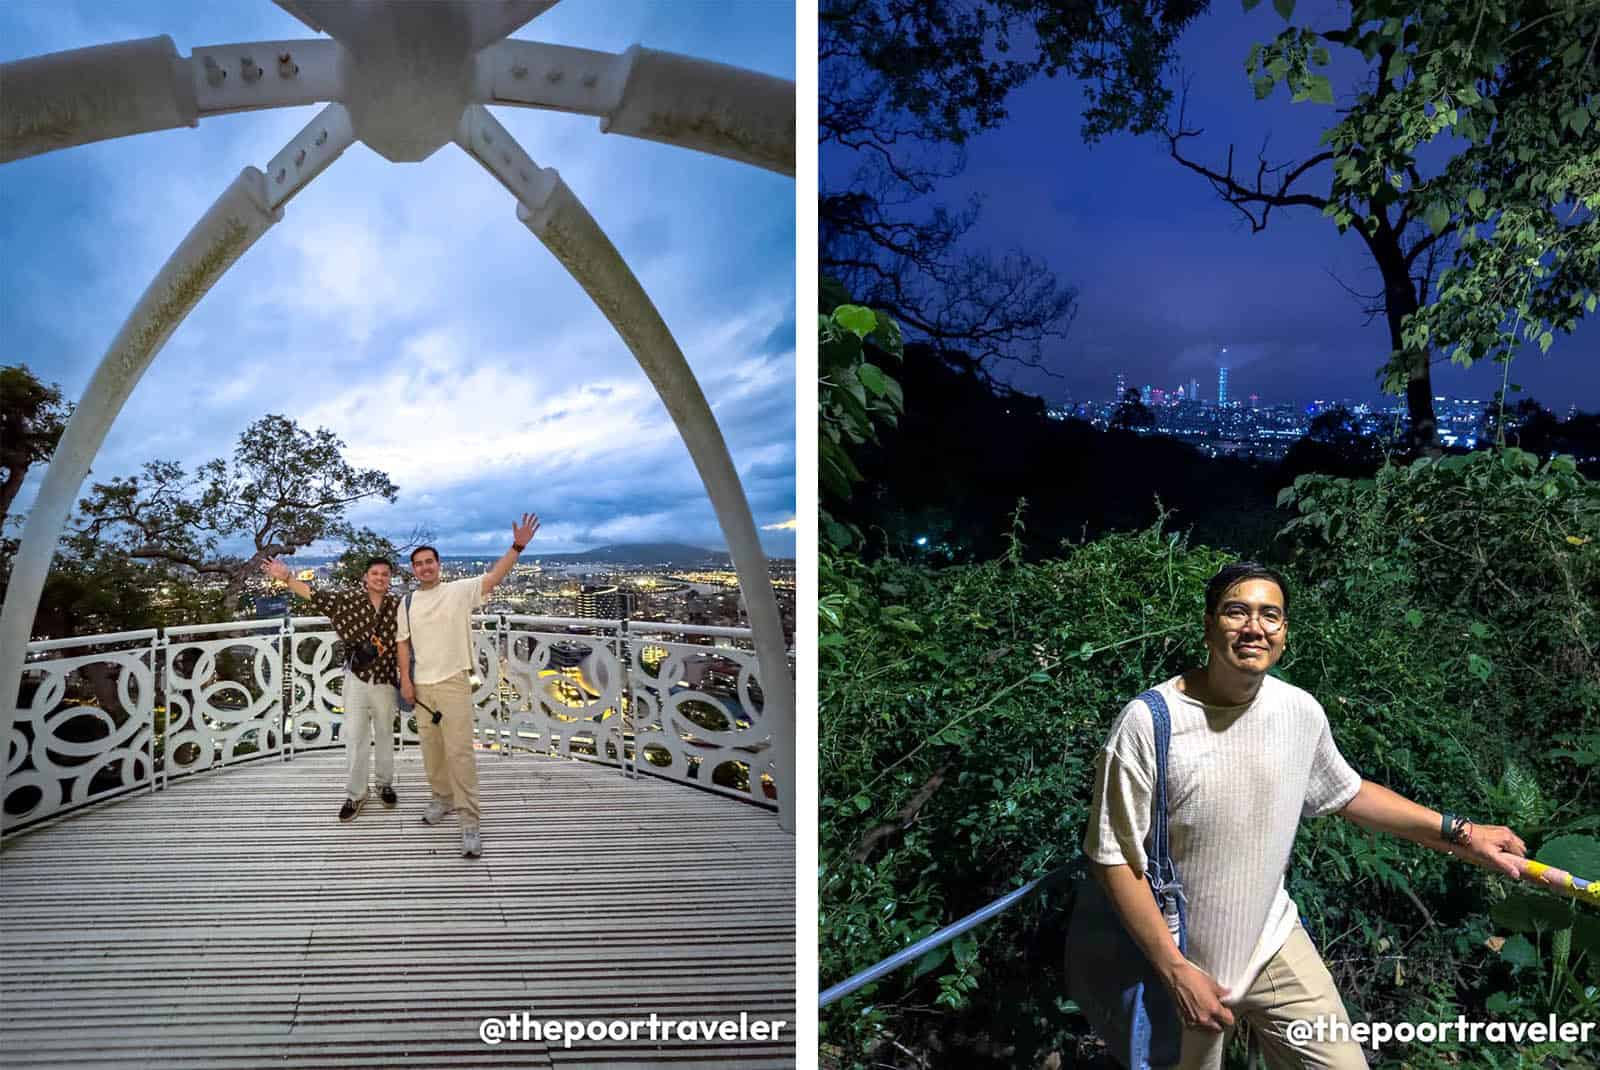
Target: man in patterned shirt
x,y
370,686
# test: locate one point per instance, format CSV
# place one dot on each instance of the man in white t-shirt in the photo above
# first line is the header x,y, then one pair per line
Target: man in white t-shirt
x,y
435,625
1250,755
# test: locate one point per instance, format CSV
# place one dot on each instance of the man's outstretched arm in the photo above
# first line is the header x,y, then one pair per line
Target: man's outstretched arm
x,y
521,535
280,571
1494,847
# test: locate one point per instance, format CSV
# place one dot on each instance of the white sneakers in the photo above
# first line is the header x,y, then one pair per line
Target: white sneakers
x,y
471,840
435,812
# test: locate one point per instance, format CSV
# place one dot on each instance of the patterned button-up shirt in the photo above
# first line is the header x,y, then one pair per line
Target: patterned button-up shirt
x,y
356,620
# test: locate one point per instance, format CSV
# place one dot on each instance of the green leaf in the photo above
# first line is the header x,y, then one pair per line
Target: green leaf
x,y
1284,8
873,379
1414,618
1500,1003
1437,216
1573,54
1578,855
931,961
1479,666
1519,952
1319,89
1526,912
855,319
1250,5
1475,199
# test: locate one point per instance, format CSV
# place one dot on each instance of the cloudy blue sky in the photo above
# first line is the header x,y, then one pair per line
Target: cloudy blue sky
x,y
403,305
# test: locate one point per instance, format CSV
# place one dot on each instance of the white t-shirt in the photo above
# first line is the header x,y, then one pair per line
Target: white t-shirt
x,y
1239,779
437,626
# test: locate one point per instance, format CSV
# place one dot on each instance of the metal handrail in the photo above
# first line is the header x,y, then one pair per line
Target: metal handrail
x,y
645,716
943,936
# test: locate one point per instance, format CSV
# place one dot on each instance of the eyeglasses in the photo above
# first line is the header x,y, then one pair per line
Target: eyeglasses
x,y
1236,616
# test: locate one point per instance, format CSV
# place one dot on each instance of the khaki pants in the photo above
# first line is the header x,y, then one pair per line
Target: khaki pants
x,y
447,754
1294,985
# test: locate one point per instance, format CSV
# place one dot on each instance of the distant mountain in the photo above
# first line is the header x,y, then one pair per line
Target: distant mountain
x,y
642,553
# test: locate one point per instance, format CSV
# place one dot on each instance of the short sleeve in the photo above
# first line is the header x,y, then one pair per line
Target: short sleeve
x,y
1332,783
475,585
402,629
324,602
1120,813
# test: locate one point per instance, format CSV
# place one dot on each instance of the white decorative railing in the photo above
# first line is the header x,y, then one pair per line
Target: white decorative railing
x,y
100,716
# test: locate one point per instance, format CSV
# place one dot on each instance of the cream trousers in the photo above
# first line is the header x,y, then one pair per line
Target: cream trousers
x,y
1294,985
447,754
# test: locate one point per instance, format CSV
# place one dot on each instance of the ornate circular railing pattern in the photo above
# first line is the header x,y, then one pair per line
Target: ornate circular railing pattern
x,y
104,715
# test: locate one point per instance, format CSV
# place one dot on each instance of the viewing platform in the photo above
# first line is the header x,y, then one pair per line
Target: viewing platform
x,y
178,890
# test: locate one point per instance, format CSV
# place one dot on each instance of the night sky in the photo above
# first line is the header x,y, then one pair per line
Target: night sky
x,y
403,305
1168,273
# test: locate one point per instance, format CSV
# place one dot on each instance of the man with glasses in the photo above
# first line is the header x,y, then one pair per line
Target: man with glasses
x,y
1250,755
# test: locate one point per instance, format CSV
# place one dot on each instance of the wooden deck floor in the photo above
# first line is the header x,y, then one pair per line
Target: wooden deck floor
x,y
232,921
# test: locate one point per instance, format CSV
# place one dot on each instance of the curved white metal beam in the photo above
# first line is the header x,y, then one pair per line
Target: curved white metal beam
x,y
72,98
244,212
659,96
548,208
88,94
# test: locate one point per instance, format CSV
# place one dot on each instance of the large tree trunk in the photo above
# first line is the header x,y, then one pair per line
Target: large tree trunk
x,y
1400,301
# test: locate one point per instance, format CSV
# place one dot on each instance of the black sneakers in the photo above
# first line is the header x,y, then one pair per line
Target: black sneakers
x,y
350,809
388,797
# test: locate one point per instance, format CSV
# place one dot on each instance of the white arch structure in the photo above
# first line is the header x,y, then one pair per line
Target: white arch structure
x,y
404,79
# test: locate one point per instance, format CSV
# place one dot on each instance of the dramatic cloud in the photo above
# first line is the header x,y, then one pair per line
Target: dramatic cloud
x,y
403,305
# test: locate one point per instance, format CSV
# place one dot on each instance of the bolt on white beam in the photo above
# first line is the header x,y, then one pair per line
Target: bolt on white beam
x,y
308,154
265,74
658,96
72,98
483,138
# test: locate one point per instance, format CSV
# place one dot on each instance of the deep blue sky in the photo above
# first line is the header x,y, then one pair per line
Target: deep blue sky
x,y
403,305
1167,273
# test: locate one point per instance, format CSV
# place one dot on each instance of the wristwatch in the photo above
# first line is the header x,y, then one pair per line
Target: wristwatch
x,y
519,546
1454,829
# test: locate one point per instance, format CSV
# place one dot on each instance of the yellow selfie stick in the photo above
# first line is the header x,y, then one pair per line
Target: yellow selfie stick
x,y
1562,881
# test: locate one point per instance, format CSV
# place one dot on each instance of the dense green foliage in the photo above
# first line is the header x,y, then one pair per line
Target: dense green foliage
x,y
1443,613
1506,93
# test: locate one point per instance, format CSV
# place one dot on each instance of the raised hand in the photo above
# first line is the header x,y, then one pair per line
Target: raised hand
x,y
276,569
522,533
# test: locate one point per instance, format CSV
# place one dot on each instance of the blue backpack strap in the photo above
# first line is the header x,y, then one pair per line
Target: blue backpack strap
x,y
1160,871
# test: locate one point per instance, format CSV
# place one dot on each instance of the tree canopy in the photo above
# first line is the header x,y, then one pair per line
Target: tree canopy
x,y
1467,160
902,86
32,417
283,489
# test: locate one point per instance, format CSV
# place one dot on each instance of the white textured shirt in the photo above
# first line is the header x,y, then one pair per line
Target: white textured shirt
x,y
438,626
1239,778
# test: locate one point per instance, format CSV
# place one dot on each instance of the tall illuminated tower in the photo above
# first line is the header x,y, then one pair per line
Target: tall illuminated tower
x,y
1222,386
